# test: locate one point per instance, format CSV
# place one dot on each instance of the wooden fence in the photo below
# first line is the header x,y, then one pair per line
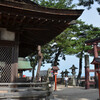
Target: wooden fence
x,y
25,91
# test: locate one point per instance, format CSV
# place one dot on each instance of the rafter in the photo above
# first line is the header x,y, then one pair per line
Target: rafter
x,y
8,17
21,21
46,22
29,20
0,17
36,20
14,20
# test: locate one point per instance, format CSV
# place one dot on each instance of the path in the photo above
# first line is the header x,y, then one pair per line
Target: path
x,y
75,93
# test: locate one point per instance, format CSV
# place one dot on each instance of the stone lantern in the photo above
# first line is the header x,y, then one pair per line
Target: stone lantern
x,y
62,75
73,68
66,72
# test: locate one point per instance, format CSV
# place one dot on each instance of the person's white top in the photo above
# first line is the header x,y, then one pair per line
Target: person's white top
x,y
66,78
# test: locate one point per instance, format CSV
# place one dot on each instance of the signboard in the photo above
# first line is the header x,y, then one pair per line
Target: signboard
x,y
50,72
55,73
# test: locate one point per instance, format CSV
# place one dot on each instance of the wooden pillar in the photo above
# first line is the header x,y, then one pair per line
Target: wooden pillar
x,y
15,53
95,50
55,81
87,85
98,71
99,83
95,56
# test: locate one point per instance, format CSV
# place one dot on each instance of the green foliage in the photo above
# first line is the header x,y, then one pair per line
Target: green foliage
x,y
33,58
89,3
86,3
59,4
82,32
71,41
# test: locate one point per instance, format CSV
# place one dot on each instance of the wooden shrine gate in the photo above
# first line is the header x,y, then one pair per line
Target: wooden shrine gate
x,y
87,73
95,50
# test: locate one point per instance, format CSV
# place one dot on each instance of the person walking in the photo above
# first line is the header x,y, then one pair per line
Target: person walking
x,y
66,80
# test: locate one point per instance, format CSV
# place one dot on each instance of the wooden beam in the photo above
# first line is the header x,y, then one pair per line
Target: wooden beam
x,y
92,83
45,20
27,45
91,51
37,29
58,27
14,20
0,17
36,20
92,41
7,43
8,17
29,20
92,70
31,40
21,21
24,43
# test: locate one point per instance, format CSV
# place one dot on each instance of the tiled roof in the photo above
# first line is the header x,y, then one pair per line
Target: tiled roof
x,y
24,64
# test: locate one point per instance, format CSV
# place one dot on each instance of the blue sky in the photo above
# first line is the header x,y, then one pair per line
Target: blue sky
x,y
89,17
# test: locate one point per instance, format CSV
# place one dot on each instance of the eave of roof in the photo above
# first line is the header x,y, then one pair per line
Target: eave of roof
x,y
24,65
31,6
35,25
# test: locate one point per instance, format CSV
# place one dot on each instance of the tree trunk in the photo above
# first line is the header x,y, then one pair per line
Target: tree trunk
x,y
33,74
80,68
40,57
56,57
33,63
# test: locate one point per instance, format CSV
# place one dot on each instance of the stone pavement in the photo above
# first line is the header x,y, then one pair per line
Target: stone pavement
x,y
75,93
